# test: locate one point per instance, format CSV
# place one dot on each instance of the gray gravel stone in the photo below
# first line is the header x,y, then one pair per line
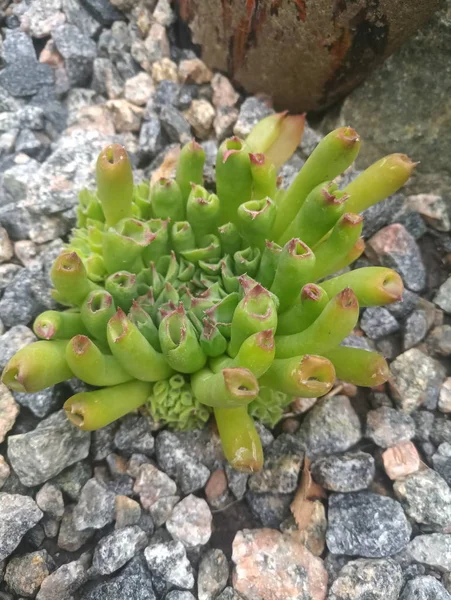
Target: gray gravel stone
x,y
169,561
330,426
416,380
77,15
16,220
61,584
18,514
228,594
151,140
415,329
7,273
9,410
161,510
135,435
19,304
237,481
175,125
152,485
95,508
396,248
78,51
72,480
439,340
440,431
40,403
39,455
365,579
433,550
14,340
350,472
424,588
377,322
4,471
50,500
103,441
168,93
441,461
270,509
69,168
366,524
213,574
69,538
179,595
191,522
443,296
400,310
127,512
133,582
116,549
426,498
24,574
388,427
103,10
23,75
252,111
180,454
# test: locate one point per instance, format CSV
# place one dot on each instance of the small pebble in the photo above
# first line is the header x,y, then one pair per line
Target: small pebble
x,y
69,538
50,500
135,435
9,410
190,522
4,471
424,588
401,460
387,427
63,582
350,472
378,322
18,514
426,498
443,296
152,484
213,574
444,400
441,461
378,579
116,549
95,507
416,380
168,560
127,512
415,329
330,426
24,574
439,340
433,550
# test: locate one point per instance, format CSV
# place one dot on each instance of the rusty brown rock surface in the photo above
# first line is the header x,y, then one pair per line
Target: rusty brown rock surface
x,y
305,53
272,566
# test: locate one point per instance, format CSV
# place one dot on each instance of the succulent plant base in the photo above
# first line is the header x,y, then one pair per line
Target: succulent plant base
x,y
194,303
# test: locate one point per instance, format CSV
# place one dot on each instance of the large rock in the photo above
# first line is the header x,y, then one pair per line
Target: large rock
x,y
325,50
273,566
354,529
404,106
41,454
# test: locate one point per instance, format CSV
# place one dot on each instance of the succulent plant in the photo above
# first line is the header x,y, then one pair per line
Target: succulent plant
x,y
192,302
